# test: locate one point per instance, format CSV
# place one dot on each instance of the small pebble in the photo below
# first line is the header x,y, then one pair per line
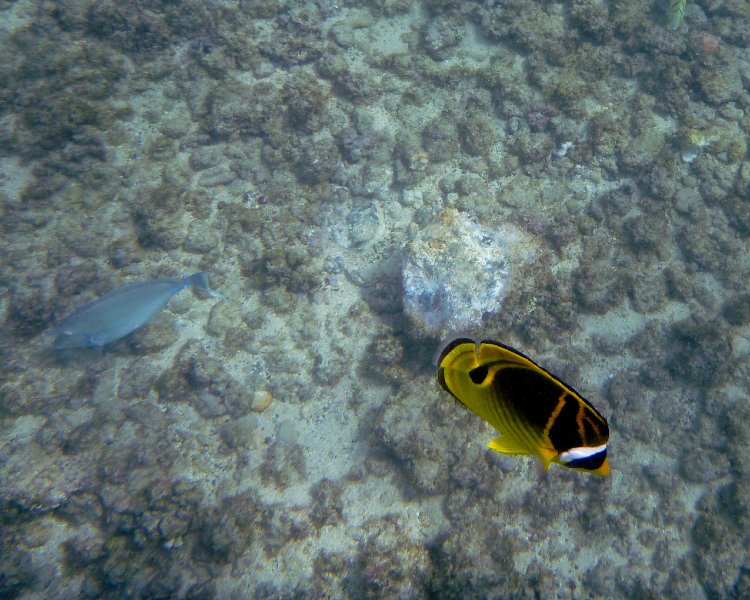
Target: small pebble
x,y
261,400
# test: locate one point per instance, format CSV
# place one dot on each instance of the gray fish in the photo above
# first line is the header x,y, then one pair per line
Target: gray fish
x,y
122,311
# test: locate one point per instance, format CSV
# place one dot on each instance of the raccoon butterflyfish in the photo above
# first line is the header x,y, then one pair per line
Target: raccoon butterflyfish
x,y
535,413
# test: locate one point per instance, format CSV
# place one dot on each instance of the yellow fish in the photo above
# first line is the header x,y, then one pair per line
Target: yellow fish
x,y
536,413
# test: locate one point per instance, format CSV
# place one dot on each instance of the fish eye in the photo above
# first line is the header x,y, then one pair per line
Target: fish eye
x,y
479,374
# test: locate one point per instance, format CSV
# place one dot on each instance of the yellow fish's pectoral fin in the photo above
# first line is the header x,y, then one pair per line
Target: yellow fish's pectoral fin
x,y
506,445
547,457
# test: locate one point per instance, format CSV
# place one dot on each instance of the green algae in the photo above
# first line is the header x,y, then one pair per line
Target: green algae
x,y
676,12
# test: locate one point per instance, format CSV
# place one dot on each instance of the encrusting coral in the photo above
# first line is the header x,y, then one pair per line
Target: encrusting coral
x,y
361,180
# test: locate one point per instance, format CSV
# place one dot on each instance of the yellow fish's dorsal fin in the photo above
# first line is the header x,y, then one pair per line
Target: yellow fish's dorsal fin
x,y
506,445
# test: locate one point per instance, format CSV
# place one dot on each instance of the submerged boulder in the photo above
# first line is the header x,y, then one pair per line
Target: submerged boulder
x,y
455,271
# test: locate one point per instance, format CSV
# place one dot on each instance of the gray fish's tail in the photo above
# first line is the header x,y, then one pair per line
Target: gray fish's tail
x,y
200,280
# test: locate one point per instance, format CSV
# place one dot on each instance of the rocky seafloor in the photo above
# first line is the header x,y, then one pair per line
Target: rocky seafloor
x,y
360,179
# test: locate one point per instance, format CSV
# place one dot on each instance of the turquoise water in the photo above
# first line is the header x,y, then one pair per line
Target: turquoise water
x,y
364,181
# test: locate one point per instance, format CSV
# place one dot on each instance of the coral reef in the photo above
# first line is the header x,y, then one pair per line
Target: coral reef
x,y
361,179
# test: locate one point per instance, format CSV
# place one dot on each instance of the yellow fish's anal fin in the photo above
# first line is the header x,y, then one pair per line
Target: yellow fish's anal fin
x,y
506,445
